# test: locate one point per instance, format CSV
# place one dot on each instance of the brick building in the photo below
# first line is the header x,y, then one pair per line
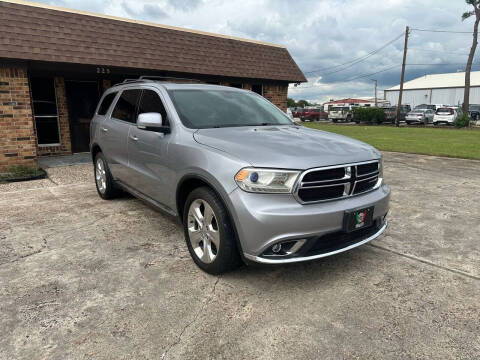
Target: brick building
x,y
55,63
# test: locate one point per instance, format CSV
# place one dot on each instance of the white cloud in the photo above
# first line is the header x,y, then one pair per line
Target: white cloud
x,y
321,34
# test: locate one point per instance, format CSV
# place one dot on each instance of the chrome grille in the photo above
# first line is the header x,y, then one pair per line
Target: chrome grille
x,y
337,182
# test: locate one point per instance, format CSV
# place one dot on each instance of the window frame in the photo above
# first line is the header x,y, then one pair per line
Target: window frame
x,y
45,116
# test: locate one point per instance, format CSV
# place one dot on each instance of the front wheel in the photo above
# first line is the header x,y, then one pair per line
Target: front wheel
x,y
209,233
103,178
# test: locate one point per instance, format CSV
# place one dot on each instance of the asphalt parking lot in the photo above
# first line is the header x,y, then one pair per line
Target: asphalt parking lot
x,y
85,278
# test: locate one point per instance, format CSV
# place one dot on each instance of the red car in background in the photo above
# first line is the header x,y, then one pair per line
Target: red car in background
x,y
312,114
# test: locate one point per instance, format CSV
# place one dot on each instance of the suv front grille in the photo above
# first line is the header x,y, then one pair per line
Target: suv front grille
x,y
337,182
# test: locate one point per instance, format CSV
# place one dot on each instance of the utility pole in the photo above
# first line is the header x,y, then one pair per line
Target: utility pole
x,y
400,93
376,101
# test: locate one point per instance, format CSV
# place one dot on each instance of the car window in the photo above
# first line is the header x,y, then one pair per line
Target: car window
x,y
151,102
106,102
199,109
125,108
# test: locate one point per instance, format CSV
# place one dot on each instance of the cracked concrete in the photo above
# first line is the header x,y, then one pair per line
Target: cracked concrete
x,y
84,278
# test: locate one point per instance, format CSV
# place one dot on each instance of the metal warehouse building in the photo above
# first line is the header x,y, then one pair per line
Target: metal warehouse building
x,y
446,89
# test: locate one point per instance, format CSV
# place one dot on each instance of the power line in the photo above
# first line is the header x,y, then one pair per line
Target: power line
x,y
443,31
350,79
350,63
437,51
370,74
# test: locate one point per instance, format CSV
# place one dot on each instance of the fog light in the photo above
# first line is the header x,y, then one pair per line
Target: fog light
x,y
285,248
277,248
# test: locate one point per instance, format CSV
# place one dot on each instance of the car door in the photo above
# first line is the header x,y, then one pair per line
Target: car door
x,y
147,151
114,132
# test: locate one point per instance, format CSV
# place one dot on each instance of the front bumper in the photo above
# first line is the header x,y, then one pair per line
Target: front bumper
x,y
263,220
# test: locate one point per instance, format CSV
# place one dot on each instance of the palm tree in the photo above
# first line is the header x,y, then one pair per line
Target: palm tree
x,y
466,15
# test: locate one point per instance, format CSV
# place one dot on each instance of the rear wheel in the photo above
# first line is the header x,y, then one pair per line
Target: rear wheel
x,y
209,233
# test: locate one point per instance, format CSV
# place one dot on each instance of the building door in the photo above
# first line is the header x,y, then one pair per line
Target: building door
x,y
82,100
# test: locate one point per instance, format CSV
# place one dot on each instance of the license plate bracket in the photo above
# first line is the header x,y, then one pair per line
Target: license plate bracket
x,y
357,219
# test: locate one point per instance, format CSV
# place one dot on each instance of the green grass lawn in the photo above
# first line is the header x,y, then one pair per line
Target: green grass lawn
x,y
429,141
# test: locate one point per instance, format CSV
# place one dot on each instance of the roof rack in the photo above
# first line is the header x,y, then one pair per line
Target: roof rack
x,y
157,78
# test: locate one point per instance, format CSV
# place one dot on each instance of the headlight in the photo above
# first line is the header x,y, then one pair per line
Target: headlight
x,y
266,180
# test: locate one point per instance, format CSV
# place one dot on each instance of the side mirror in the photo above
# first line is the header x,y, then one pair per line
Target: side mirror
x,y
152,122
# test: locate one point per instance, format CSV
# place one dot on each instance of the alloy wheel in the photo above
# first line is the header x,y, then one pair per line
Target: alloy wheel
x,y
203,231
101,176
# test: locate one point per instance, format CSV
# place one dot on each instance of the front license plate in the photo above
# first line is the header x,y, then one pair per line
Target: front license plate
x,y
358,219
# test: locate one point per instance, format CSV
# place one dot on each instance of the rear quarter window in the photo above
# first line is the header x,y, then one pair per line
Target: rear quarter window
x,y
105,104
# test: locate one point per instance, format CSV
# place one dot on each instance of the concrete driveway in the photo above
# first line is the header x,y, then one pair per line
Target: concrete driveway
x,y
85,278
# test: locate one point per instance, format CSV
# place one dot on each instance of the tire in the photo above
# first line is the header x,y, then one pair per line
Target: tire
x,y
103,178
349,118
334,120
213,245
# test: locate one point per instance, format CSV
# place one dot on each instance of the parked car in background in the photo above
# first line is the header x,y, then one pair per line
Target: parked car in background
x,y
245,182
298,112
340,113
313,114
420,116
430,106
391,113
446,115
474,111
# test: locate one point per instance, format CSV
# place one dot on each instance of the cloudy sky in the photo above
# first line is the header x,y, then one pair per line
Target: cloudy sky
x,y
324,37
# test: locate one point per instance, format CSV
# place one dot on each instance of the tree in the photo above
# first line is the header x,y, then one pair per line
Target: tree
x,y
290,102
466,15
303,103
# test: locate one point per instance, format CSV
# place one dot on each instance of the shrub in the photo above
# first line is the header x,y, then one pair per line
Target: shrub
x,y
370,115
20,172
462,121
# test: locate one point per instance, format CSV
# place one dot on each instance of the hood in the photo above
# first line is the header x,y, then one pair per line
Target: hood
x,y
286,147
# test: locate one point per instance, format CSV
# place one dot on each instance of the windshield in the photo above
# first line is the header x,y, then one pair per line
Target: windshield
x,y
201,109
474,107
444,111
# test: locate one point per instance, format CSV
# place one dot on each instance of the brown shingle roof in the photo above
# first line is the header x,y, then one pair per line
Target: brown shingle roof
x,y
32,31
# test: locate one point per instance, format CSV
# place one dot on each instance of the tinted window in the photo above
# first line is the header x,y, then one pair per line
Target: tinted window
x,y
151,102
105,105
126,106
223,108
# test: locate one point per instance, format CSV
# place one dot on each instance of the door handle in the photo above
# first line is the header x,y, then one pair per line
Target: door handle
x,y
133,137
104,129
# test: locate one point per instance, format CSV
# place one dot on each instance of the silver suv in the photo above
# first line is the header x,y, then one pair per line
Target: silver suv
x,y
246,182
